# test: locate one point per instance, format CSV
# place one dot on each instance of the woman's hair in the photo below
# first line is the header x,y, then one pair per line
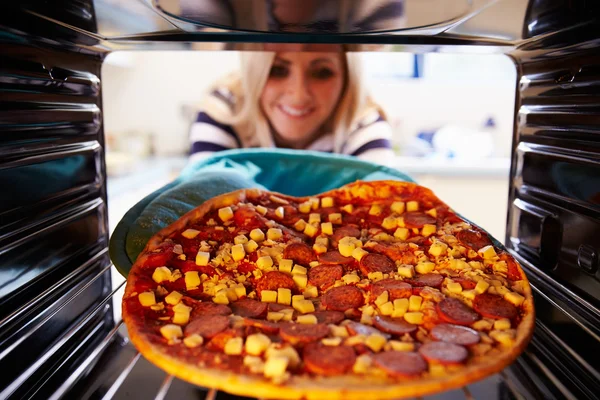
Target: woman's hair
x,y
250,122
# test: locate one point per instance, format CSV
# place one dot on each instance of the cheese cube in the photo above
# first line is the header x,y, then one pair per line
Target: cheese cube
x,y
412,206
335,218
401,305
181,318
397,207
257,343
432,212
275,366
300,280
362,365
454,287
368,310
237,252
406,271
425,267
314,201
274,316
221,299
240,290
514,297
299,269
487,253
264,262
254,364
305,207
314,218
366,319
310,292
304,306
171,331
310,230
482,325
347,245
386,308
193,340
382,298
279,212
375,342
349,208
274,234
389,223
234,346
147,299
375,276
327,202
481,287
397,345
202,258
334,341
327,228
268,296
414,303
415,318
296,298
173,298
350,278
286,265
192,280
469,294
400,222
319,248
158,306
288,314
306,319
240,239
503,337
375,209
428,230
356,339
251,246
338,331
225,213
257,235
300,225
502,324
262,210
161,274
190,233
284,296
438,249
401,233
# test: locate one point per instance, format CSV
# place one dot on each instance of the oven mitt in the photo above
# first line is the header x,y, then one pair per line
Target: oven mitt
x,y
292,172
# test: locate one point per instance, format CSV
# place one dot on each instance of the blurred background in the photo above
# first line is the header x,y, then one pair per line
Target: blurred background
x,y
452,116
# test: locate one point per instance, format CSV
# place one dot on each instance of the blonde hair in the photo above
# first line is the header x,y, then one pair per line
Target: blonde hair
x,y
250,122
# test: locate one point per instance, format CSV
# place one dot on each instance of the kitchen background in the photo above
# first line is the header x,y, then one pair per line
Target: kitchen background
x,y
452,116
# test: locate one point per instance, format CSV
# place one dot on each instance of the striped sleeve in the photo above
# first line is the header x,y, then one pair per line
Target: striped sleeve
x,y
208,136
371,142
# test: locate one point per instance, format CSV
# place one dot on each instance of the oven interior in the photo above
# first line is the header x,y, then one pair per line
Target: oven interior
x,y
58,334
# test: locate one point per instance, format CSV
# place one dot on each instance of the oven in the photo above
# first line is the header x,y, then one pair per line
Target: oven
x,y
59,337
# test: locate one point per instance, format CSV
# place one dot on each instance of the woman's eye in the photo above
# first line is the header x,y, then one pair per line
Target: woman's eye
x,y
322,73
278,71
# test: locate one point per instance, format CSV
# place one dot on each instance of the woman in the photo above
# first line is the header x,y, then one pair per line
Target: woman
x,y
297,100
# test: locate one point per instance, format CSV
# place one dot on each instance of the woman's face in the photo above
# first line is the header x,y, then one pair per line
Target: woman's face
x,y
301,93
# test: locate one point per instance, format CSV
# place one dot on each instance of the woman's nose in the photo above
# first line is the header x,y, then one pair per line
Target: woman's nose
x,y
298,88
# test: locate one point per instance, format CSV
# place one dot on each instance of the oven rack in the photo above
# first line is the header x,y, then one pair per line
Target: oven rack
x,y
114,369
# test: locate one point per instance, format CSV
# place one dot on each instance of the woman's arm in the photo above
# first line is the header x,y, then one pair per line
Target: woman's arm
x,y
208,136
372,143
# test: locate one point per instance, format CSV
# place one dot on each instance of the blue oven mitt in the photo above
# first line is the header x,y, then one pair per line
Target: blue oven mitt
x,y
292,172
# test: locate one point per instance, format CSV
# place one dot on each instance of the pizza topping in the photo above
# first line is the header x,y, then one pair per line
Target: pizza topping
x,y
473,239
396,289
335,218
209,308
173,298
456,312
492,306
433,280
303,333
249,308
455,334
225,213
192,341
207,326
329,317
395,326
347,245
344,231
324,276
376,263
257,343
342,298
418,220
300,253
400,363
356,328
274,234
443,352
265,326
274,280
171,332
147,299
328,360
192,280
334,257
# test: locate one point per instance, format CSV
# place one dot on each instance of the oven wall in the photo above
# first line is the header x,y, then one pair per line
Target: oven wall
x,y
53,231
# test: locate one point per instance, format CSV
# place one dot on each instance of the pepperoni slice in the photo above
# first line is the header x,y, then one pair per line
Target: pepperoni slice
x,y
324,276
328,360
265,326
395,326
373,262
249,308
301,253
207,326
465,283
396,289
248,218
274,280
514,272
433,280
400,252
473,239
303,333
356,328
334,257
210,308
219,341
492,306
329,317
417,219
277,307
456,312
400,363
339,233
443,352
455,334
342,298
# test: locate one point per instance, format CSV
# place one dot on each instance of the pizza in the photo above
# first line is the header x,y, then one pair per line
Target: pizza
x,y
373,290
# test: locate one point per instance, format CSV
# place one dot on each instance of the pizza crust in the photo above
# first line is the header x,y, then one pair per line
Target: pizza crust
x,y
338,387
